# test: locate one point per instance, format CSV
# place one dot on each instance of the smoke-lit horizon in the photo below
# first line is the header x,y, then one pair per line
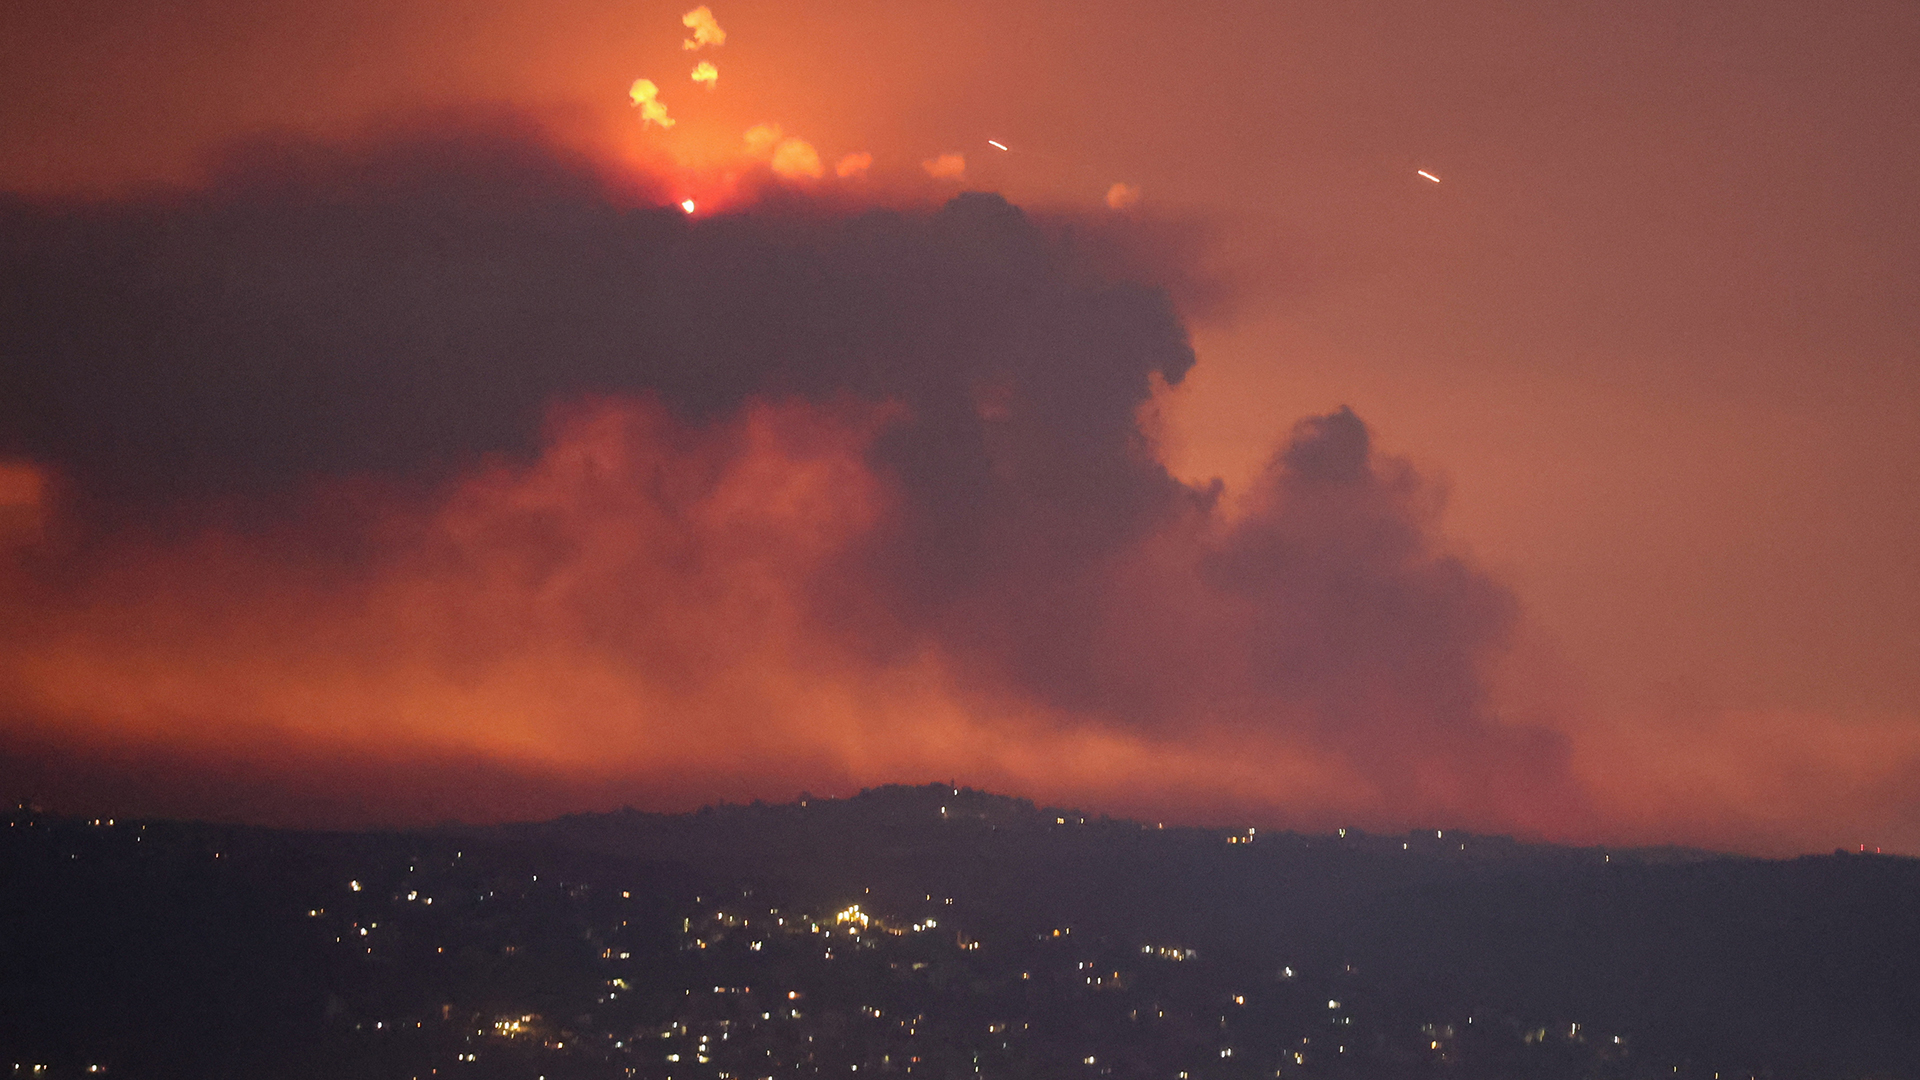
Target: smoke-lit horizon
x,y
1454,418
443,451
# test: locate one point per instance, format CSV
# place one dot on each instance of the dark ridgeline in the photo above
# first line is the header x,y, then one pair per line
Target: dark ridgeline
x,y
992,938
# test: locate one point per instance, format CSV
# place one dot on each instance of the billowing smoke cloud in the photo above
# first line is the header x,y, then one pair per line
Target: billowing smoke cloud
x,y
854,164
706,29
1122,196
706,74
646,97
442,449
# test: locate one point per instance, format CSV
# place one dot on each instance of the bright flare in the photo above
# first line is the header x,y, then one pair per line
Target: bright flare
x,y
646,98
1428,175
706,30
687,205
706,74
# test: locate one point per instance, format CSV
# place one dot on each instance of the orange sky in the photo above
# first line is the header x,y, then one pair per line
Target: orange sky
x,y
1654,329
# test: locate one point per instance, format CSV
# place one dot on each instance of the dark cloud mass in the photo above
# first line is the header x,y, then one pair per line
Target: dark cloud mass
x,y
414,310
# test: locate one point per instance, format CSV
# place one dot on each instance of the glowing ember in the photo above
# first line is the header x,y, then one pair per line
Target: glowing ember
x,y
687,205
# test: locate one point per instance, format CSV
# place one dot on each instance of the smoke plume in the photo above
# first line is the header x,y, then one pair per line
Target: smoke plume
x,y
444,449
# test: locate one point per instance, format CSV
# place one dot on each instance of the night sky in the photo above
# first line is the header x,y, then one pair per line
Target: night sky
x,y
382,442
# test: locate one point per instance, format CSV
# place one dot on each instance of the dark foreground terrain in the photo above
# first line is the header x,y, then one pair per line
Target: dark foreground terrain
x,y
935,933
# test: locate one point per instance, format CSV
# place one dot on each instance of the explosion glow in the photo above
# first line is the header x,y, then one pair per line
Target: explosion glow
x,y
646,97
948,166
446,440
852,165
706,29
794,159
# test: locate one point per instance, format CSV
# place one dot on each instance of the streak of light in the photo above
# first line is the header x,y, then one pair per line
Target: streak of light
x,y
1428,175
991,142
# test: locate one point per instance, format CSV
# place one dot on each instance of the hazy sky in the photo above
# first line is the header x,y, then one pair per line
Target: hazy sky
x,y
1651,337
